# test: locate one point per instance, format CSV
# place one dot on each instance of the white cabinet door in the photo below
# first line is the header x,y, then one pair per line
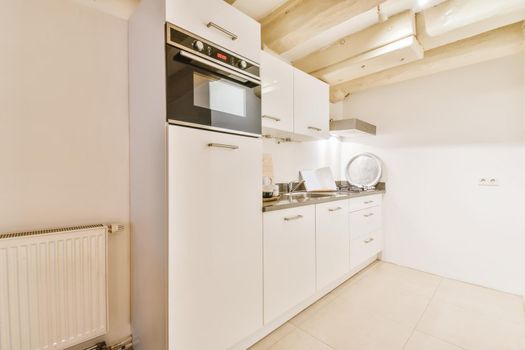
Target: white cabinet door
x,y
215,238
311,106
277,93
289,259
331,242
217,22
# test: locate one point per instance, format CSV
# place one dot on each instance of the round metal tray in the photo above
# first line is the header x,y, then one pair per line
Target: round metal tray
x,y
363,170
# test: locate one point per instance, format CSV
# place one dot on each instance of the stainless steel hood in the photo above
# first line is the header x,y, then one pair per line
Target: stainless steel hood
x,y
350,127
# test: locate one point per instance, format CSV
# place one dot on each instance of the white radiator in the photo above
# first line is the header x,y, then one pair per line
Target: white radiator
x,y
53,287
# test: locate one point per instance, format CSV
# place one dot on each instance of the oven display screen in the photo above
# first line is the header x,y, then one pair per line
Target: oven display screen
x,y
222,56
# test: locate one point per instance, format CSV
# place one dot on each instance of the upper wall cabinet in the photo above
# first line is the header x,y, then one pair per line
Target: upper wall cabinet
x,y
218,22
311,106
277,92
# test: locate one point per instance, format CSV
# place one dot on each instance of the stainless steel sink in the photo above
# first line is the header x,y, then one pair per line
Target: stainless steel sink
x,y
307,195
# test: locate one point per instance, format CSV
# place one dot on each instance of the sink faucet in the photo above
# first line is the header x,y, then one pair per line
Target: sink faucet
x,y
292,188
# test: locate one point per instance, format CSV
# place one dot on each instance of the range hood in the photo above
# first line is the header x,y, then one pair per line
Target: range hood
x,y
350,127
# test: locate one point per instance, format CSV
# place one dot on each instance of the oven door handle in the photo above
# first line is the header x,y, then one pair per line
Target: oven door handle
x,y
218,66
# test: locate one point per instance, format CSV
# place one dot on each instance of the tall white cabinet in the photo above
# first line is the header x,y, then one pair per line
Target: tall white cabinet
x,y
195,209
215,238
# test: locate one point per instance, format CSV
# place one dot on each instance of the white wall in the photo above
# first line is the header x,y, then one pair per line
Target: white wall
x,y
290,157
438,136
64,128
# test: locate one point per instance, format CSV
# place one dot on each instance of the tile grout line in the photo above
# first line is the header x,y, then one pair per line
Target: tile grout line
x,y
423,313
297,328
443,340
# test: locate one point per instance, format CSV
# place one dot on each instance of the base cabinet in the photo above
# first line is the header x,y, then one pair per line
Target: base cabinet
x,y
365,224
289,259
331,232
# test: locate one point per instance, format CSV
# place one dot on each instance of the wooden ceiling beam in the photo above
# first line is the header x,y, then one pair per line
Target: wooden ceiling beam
x,y
395,28
297,20
487,46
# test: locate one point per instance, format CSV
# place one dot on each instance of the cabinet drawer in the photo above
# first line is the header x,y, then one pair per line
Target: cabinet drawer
x,y
364,221
365,247
289,259
365,202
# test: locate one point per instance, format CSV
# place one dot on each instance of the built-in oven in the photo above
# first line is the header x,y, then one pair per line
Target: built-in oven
x,y
209,87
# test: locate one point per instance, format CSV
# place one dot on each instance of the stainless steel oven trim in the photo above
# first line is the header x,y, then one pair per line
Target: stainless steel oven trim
x,y
208,58
212,128
217,66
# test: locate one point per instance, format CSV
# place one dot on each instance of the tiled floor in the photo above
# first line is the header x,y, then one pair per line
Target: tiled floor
x,y
388,307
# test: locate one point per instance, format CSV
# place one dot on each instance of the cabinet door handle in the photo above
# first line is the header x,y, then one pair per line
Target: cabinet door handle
x,y
335,209
367,215
369,202
221,145
368,240
290,218
271,118
233,36
314,128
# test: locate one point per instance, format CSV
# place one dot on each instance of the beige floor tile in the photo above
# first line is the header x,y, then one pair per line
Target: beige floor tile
x,y
470,329
402,279
491,302
312,309
299,340
273,337
345,329
421,341
391,303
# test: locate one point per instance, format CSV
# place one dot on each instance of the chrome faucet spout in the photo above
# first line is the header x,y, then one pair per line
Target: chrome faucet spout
x,y
292,188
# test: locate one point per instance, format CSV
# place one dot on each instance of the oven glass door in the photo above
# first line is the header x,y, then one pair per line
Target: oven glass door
x,y
207,96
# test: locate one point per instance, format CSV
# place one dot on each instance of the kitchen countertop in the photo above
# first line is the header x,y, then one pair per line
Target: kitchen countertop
x,y
299,202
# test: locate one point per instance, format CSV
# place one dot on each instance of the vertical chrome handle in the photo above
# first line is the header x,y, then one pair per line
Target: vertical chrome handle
x,y
272,118
221,145
335,209
290,218
233,36
314,128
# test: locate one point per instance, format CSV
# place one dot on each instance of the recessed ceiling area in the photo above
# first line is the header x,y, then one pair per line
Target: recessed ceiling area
x,y
357,44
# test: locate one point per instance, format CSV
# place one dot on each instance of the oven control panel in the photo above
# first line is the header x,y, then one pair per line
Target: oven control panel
x,y
190,42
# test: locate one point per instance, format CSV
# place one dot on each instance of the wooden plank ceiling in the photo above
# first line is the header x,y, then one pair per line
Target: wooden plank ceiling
x,y
404,40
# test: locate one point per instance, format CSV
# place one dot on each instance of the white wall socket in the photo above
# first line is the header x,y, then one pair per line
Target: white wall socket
x,y
488,181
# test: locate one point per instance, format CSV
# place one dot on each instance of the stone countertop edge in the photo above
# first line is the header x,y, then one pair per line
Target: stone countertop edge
x,y
293,203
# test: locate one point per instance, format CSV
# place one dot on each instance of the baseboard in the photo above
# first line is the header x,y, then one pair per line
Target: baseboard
x,y
273,325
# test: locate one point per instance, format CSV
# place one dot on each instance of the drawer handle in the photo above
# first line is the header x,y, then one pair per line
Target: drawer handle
x,y
221,145
369,202
314,128
368,240
271,118
233,36
367,215
290,218
335,209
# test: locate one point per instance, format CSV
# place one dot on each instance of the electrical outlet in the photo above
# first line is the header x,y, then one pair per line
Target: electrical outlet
x,y
488,181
